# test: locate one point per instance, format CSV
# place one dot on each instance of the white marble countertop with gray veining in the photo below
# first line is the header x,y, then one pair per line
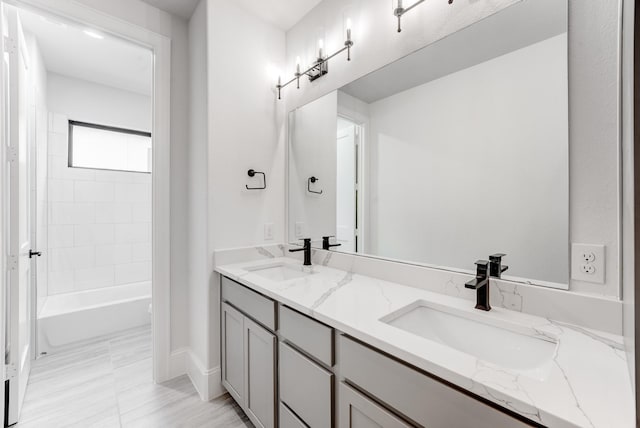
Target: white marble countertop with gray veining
x,y
585,384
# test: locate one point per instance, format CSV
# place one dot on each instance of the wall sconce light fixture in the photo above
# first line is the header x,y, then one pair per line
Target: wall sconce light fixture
x,y
401,10
321,66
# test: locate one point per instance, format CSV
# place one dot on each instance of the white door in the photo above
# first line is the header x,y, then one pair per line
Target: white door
x,y
19,310
346,189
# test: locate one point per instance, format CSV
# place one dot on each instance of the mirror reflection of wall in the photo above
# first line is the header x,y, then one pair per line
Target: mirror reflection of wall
x,y
446,156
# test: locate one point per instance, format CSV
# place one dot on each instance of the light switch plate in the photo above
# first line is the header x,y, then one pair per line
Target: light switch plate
x,y
588,263
268,231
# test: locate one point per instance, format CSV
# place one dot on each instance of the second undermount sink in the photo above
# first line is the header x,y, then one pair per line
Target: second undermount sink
x,y
504,346
281,271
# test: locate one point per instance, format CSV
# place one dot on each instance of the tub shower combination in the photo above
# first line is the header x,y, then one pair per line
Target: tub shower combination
x,y
69,318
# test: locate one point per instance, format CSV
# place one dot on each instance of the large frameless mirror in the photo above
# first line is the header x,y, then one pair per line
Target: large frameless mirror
x,y
451,154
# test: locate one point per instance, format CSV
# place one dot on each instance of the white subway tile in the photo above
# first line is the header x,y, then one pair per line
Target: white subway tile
x,y
122,177
105,212
58,144
86,279
59,168
60,282
60,236
60,190
141,213
71,213
91,191
59,123
141,252
67,259
93,234
133,272
133,233
133,192
122,213
113,254
141,178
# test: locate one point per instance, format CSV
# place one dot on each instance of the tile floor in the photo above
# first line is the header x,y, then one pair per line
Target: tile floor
x,y
107,383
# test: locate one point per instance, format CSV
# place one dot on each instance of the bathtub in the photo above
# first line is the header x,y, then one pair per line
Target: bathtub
x,y
75,317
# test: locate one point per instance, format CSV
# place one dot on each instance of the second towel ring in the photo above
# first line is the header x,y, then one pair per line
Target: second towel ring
x,y
311,180
252,173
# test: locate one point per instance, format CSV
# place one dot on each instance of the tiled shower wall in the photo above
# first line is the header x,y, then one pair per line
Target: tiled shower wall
x,y
99,222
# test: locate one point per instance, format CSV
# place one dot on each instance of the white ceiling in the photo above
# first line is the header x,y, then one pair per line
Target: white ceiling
x,y
68,50
182,8
284,14
515,27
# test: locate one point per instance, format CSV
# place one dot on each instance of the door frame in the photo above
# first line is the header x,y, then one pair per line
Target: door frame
x,y
361,124
160,45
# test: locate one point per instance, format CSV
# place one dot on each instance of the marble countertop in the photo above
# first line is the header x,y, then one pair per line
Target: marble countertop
x,y
586,384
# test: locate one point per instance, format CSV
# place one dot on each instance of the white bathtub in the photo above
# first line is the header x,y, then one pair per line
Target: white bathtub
x,y
74,317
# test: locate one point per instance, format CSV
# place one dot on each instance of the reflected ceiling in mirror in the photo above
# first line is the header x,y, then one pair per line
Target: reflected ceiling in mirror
x,y
453,153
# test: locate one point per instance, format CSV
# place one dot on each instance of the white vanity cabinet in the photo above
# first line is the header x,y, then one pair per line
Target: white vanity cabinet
x,y
249,353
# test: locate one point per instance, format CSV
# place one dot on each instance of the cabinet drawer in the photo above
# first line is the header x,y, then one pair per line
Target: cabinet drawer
x,y
307,334
306,388
255,305
419,397
357,411
288,419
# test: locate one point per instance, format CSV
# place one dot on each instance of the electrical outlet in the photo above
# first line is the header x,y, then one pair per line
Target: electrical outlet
x,y
588,268
588,262
268,231
588,256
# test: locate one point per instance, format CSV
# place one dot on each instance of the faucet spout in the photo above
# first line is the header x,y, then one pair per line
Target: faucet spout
x,y
481,284
307,251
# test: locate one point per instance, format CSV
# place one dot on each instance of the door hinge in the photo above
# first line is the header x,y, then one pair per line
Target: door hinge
x,y
12,154
12,262
10,371
10,45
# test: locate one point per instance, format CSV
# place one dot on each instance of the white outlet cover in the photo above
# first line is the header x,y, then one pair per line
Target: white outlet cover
x,y
268,231
579,272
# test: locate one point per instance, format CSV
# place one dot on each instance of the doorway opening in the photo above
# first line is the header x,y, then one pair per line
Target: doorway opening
x,y
80,109
349,194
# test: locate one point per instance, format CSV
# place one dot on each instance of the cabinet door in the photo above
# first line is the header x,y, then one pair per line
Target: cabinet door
x,y
260,375
357,411
232,342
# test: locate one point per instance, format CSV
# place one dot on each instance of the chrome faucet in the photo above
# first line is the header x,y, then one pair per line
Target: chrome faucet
x,y
481,284
307,251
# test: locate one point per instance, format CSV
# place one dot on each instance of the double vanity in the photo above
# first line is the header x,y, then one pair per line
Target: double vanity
x,y
316,346
446,155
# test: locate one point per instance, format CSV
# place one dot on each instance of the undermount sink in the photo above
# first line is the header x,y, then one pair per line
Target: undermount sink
x,y
280,271
500,345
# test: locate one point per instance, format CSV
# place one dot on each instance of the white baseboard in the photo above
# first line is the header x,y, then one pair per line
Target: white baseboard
x,y
178,362
206,381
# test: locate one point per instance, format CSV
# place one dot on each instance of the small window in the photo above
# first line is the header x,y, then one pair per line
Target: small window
x,y
105,147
